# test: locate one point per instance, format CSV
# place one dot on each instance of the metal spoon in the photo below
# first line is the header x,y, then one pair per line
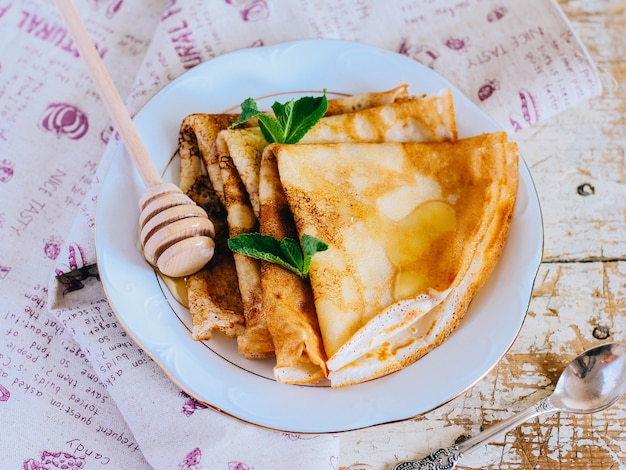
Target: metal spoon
x,y
592,382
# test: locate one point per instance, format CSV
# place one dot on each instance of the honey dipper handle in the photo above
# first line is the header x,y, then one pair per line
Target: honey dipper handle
x,y
108,93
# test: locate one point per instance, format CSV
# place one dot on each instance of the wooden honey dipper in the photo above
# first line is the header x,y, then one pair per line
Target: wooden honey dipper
x,y
176,234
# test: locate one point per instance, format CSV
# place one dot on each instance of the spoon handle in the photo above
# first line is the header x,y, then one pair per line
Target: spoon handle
x,y
447,458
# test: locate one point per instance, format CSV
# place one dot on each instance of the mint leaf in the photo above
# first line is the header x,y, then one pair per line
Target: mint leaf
x,y
310,246
284,114
293,119
249,110
292,253
286,253
306,112
263,247
271,129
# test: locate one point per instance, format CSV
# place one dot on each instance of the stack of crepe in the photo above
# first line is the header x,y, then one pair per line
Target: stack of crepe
x,y
415,220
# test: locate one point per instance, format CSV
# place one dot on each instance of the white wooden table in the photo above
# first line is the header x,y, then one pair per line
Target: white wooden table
x,y
579,300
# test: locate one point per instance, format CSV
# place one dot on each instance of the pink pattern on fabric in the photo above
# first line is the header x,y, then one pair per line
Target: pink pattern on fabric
x,y
55,460
529,112
192,460
488,89
4,394
191,405
6,171
457,43
32,464
4,271
423,53
234,465
251,10
76,257
52,247
64,119
496,14
112,6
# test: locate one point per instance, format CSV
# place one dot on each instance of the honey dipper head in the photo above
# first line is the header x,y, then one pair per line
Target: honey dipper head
x,y
176,234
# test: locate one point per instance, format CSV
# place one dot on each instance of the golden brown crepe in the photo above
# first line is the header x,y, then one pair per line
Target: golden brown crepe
x,y
196,145
255,342
213,294
408,248
352,103
287,298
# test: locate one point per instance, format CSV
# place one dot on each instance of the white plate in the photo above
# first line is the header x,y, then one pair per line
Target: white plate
x,y
212,371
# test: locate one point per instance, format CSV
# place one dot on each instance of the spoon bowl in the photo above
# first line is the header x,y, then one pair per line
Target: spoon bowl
x,y
592,382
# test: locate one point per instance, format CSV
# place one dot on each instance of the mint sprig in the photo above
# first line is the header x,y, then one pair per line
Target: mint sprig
x,y
287,252
293,119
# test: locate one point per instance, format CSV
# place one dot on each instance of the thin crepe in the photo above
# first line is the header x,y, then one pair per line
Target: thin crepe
x,y
408,249
214,300
287,298
352,103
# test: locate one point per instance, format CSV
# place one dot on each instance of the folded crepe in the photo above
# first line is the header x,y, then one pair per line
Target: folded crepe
x,y
213,296
255,342
225,295
287,298
196,144
414,230
351,103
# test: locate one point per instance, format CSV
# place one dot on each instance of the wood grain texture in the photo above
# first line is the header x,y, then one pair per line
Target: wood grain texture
x,y
578,165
